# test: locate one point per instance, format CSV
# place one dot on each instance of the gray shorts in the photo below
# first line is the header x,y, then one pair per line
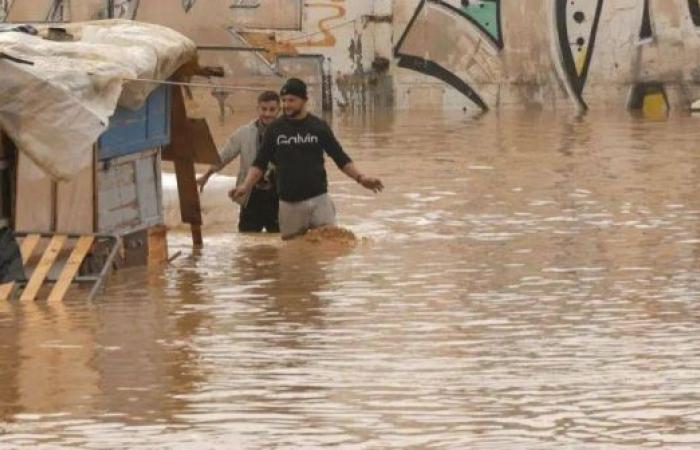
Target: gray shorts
x,y
299,217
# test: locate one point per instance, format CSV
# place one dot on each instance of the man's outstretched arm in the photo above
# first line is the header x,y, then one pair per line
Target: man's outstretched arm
x,y
373,184
254,175
257,170
230,152
344,162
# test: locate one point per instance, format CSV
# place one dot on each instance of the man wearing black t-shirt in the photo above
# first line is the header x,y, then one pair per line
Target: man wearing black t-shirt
x,y
296,143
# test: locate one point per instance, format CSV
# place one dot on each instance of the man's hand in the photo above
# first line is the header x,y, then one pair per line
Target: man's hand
x,y
373,184
202,181
238,193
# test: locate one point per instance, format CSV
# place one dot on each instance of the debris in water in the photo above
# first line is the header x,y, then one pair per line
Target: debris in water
x,y
332,235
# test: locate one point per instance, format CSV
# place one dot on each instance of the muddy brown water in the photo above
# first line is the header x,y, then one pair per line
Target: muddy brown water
x,y
526,281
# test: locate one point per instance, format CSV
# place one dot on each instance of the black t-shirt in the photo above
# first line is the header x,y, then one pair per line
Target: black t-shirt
x,y
296,148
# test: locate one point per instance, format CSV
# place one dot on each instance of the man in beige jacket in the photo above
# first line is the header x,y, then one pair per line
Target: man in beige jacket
x,y
259,208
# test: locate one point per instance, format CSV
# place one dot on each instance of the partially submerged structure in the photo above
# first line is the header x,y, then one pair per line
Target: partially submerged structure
x,y
86,114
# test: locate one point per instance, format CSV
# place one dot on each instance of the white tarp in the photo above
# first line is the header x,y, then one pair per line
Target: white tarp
x,y
56,108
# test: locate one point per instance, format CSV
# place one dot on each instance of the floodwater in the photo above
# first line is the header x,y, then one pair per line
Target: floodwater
x,y
526,281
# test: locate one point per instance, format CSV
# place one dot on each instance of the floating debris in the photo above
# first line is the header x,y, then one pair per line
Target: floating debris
x,y
331,235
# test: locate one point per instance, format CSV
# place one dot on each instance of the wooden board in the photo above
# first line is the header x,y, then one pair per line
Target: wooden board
x,y
26,249
129,193
147,190
181,152
45,264
74,207
191,138
29,243
132,132
34,210
205,151
190,208
157,245
6,291
81,249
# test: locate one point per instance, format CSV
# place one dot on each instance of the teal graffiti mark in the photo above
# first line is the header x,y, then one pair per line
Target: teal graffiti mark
x,y
485,13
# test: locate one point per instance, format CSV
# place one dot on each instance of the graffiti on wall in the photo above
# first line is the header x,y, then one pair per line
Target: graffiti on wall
x,y
128,9
125,9
323,36
320,35
467,65
577,25
694,6
482,17
59,11
646,33
485,15
4,9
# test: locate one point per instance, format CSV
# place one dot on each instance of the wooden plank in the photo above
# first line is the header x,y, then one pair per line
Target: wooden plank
x,y
27,248
180,141
190,208
82,247
28,245
117,197
33,210
205,151
157,245
6,291
133,131
39,275
74,205
197,241
181,152
147,191
191,138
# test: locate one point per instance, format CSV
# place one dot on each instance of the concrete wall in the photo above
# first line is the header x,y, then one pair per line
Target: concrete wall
x,y
444,54
547,53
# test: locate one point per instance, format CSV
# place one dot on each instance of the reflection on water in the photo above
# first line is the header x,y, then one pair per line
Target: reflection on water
x,y
526,281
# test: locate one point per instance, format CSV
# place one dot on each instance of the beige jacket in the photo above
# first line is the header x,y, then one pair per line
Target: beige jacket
x,y
243,142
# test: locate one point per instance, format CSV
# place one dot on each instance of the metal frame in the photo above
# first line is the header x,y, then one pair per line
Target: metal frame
x,y
98,280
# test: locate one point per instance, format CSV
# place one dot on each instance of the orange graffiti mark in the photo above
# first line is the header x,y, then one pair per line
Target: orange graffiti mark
x,y
269,43
328,39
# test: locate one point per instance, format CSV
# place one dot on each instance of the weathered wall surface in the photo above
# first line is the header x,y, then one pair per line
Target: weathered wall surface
x,y
445,54
549,53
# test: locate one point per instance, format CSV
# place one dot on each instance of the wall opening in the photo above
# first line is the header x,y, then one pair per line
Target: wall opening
x,y
650,99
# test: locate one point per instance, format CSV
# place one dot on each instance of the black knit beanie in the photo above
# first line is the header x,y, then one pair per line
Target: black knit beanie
x,y
296,87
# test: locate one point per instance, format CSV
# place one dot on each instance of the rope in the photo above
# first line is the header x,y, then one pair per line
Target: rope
x,y
202,85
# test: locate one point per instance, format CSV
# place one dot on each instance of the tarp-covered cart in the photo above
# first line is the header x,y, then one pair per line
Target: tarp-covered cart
x,y
85,116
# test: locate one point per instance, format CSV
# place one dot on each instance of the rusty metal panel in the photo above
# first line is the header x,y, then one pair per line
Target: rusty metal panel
x,y
129,193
